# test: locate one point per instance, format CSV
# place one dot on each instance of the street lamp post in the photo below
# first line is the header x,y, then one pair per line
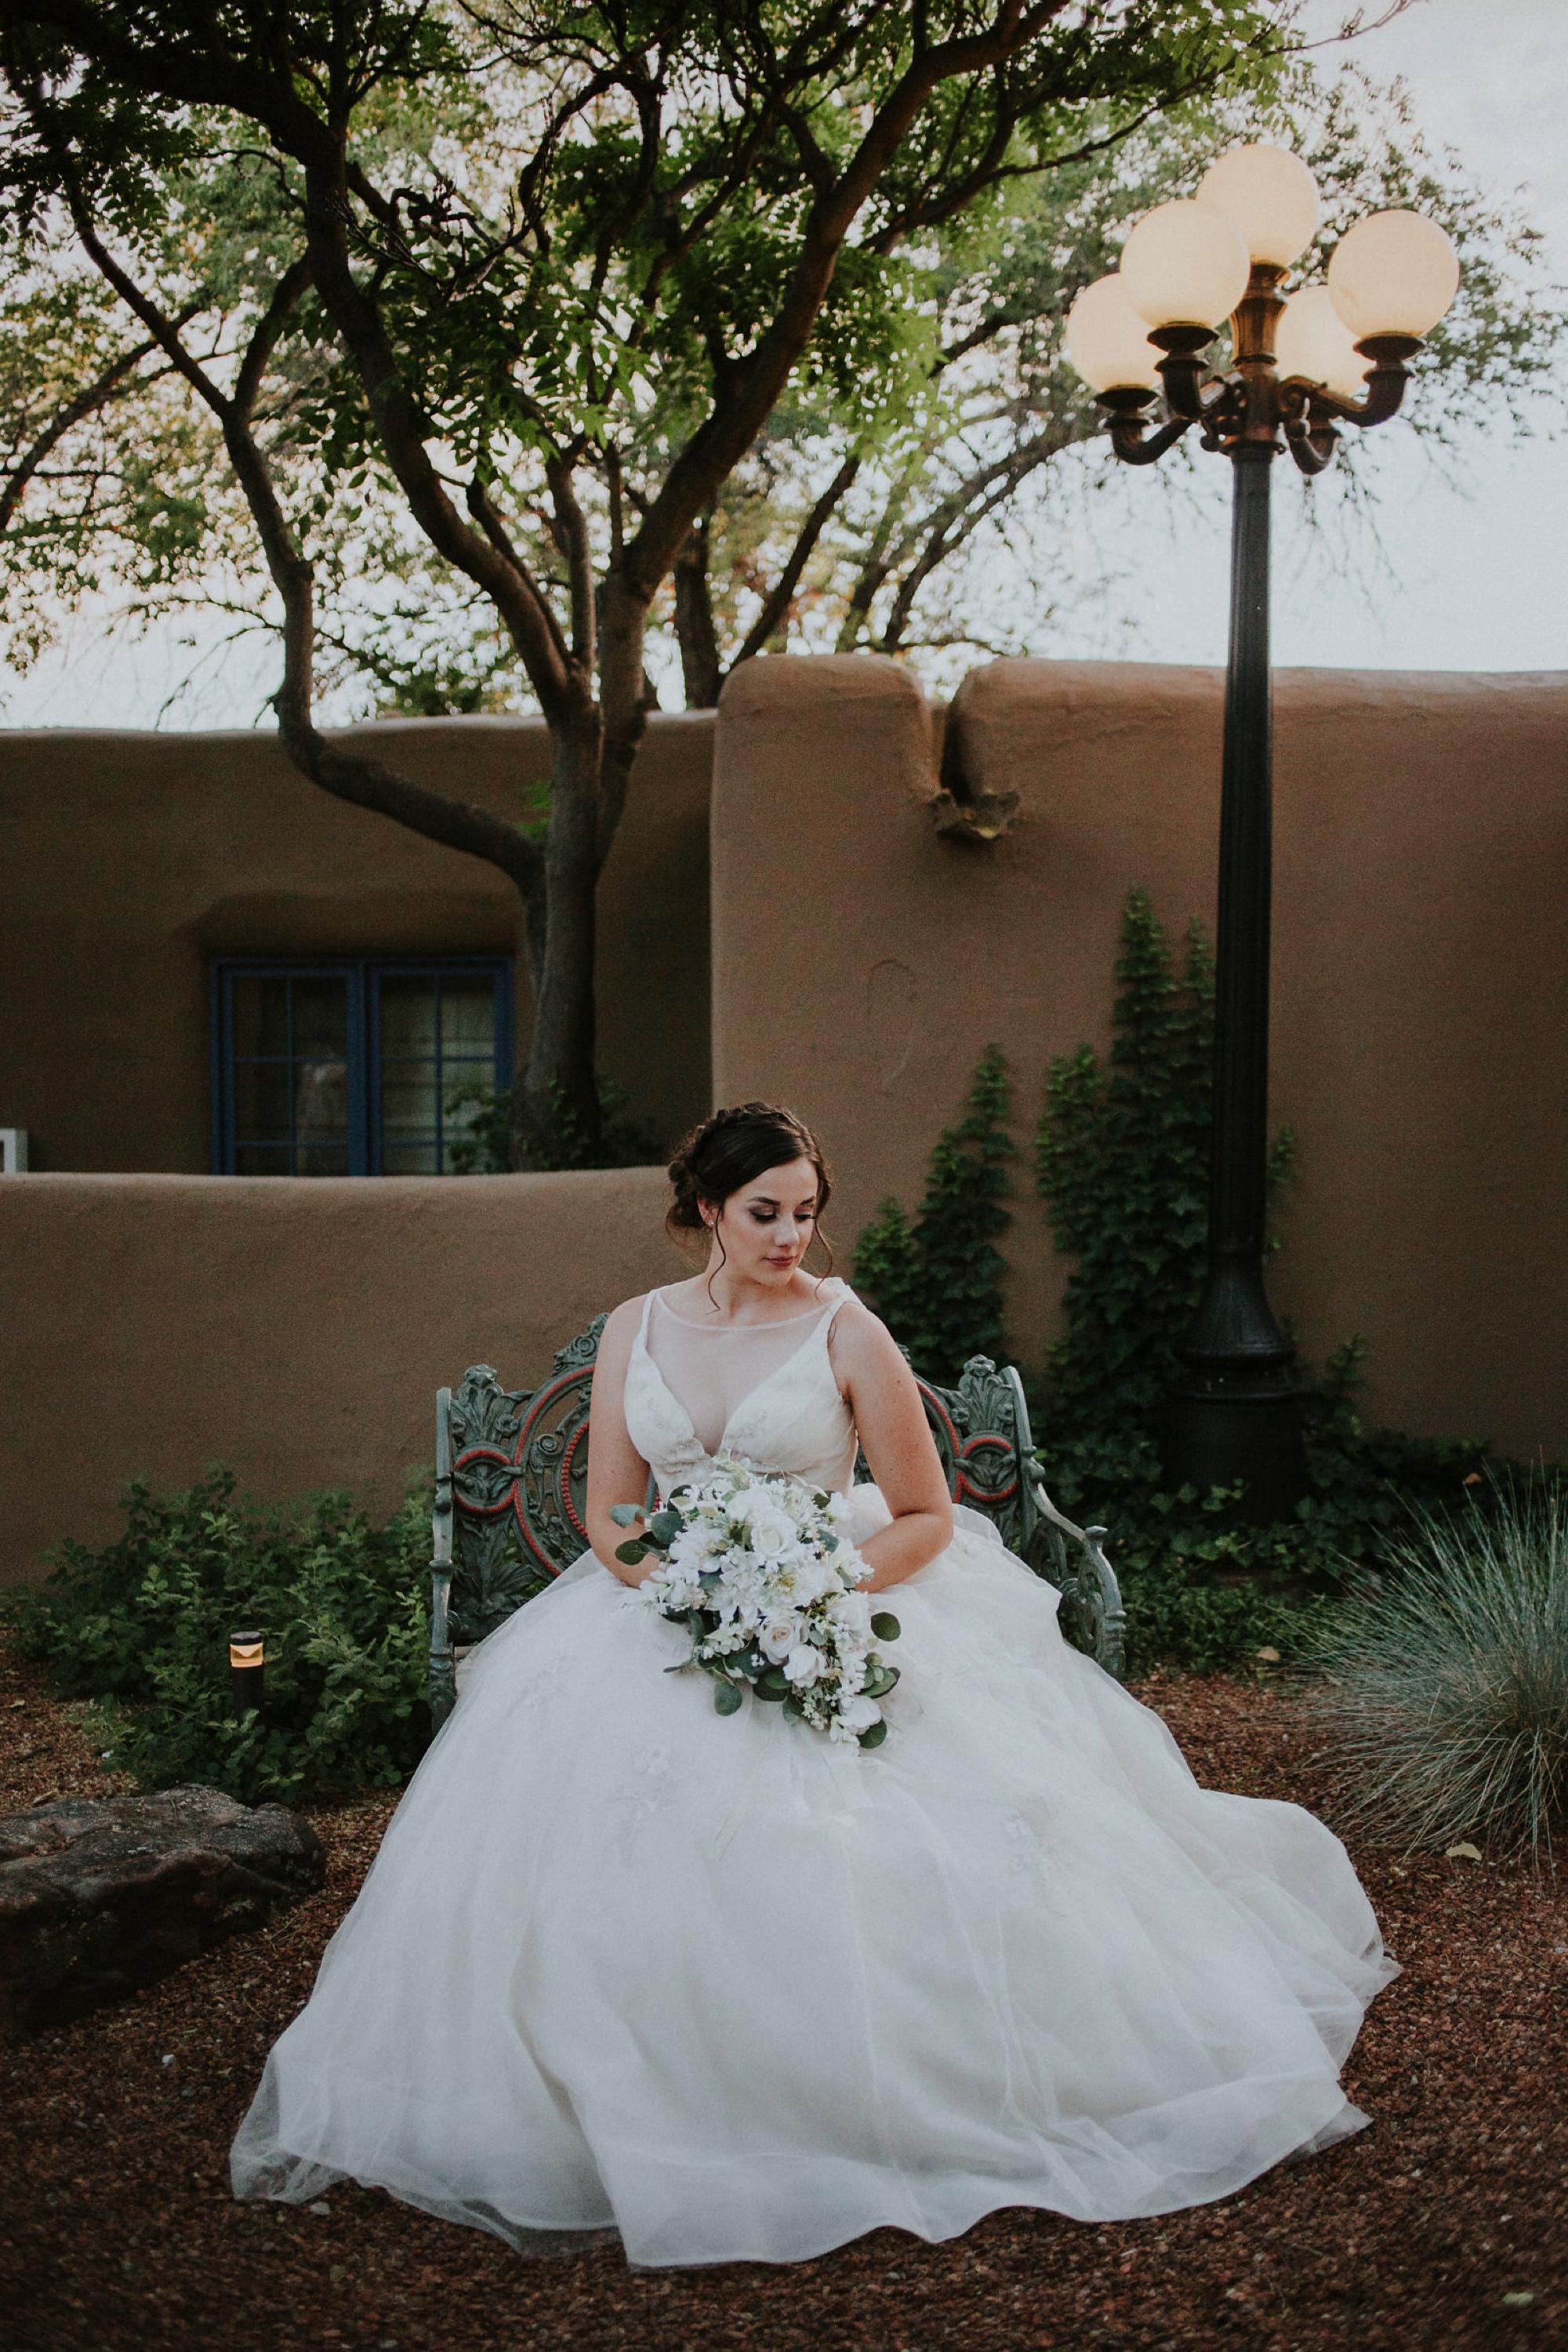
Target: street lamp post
x,y
1300,366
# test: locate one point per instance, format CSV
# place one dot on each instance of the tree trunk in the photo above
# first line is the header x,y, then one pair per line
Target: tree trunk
x,y
694,630
555,1101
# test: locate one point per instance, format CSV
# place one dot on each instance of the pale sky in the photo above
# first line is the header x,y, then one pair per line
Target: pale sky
x,y
1473,543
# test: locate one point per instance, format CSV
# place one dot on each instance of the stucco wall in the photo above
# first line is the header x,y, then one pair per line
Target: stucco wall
x,y
296,1328
131,859
1421,971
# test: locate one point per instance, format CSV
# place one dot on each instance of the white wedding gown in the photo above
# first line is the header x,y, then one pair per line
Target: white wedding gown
x,y
732,1991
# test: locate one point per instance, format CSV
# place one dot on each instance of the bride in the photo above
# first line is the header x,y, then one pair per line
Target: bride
x,y
732,1990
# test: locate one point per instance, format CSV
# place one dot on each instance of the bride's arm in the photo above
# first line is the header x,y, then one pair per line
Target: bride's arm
x,y
616,1471
898,1444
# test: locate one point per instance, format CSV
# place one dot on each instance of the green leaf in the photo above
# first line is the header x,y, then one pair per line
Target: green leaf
x,y
775,1682
726,1699
875,1736
792,1711
886,1626
664,1527
631,1553
625,1515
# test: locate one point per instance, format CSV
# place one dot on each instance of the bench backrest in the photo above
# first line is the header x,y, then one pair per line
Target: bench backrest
x,y
512,1474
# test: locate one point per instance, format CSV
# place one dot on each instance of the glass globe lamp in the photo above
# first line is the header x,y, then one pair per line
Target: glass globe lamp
x,y
1184,264
1108,342
1393,274
1270,196
1311,340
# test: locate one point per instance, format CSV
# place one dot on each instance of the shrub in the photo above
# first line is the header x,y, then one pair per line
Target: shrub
x,y
1445,1683
143,1628
482,1143
1122,1160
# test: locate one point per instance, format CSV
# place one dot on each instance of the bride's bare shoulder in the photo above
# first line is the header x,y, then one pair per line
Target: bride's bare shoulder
x,y
621,1323
861,1339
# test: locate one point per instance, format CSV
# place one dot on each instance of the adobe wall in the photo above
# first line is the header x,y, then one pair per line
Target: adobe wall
x,y
295,1329
1420,991
131,859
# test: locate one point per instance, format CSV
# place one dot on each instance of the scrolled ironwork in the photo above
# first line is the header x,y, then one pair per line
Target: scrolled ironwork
x,y
512,1468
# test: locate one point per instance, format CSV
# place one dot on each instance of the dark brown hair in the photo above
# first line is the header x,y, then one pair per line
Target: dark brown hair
x,y
734,1147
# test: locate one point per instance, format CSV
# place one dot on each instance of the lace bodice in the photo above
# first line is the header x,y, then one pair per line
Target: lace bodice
x,y
790,1416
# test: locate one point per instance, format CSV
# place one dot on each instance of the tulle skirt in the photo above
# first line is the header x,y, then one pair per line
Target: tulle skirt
x,y
728,1991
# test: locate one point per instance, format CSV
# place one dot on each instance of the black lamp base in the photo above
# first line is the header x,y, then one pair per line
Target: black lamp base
x,y
1214,1434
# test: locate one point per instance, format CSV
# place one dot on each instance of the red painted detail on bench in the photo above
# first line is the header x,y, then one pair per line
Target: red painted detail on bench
x,y
965,1485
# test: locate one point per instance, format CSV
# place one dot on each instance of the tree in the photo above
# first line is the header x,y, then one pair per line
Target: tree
x,y
463,252
834,540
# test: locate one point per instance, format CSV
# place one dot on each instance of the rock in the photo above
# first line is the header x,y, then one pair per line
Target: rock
x,y
102,1894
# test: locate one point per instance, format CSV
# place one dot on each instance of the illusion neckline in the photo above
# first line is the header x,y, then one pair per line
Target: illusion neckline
x,y
753,1393
776,1323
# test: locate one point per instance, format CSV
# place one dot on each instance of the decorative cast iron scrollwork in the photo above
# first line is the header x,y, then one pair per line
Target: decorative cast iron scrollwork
x,y
511,1471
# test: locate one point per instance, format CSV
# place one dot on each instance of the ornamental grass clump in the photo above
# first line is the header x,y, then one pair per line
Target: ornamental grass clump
x,y
1445,1688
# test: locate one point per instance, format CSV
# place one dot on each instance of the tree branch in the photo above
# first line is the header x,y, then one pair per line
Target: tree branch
x,y
775,612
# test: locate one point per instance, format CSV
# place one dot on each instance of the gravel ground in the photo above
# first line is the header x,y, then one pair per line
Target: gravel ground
x,y
1445,2225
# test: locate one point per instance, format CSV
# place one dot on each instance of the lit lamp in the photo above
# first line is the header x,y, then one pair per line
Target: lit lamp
x,y
1299,368
246,1670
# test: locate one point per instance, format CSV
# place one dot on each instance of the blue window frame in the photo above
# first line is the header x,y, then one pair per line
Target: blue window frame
x,y
349,1067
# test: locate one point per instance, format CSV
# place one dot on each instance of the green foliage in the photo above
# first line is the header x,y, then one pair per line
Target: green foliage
x,y
1121,1159
143,1628
1445,1681
937,1282
1122,1162
484,1146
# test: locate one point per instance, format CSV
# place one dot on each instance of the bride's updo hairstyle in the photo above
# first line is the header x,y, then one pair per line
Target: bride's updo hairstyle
x,y
732,1149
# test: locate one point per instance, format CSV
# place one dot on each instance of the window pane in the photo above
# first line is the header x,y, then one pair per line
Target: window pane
x,y
408,1160
321,1017
408,1014
321,1103
468,1017
407,1098
260,1016
319,1160
261,1102
261,1160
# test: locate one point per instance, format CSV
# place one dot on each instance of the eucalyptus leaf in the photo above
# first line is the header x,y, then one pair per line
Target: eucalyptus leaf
x,y
726,1699
886,1626
631,1553
875,1736
625,1515
792,1711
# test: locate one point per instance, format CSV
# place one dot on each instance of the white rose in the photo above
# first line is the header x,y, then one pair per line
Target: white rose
x,y
778,1635
772,1534
803,1666
858,1715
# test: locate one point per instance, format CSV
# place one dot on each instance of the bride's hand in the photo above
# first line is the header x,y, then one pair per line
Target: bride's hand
x,y
896,1441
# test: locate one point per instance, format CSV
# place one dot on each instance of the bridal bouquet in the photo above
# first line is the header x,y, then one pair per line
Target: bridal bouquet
x,y
761,1571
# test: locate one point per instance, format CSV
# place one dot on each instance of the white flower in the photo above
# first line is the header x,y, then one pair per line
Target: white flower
x,y
851,1613
838,1509
778,1635
803,1666
772,1535
858,1715
810,1576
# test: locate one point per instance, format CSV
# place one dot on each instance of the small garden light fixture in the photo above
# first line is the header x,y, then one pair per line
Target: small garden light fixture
x,y
1301,367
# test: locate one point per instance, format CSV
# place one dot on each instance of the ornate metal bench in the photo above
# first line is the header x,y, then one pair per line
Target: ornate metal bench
x,y
512,1470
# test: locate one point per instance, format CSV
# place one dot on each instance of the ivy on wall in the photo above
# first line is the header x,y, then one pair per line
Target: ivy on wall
x,y
936,1281
1121,1160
